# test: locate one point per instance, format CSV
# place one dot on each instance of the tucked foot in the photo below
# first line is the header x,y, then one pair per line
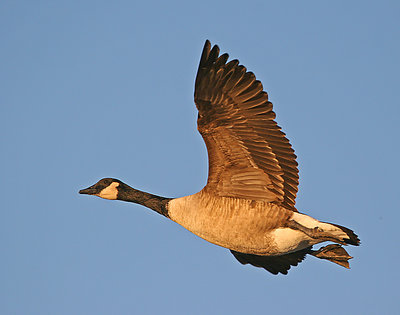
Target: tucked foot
x,y
334,253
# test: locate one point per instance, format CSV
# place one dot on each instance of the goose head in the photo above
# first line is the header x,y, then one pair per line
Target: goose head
x,y
114,189
107,188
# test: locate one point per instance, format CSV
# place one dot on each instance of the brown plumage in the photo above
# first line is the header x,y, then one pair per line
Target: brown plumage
x,y
249,155
248,204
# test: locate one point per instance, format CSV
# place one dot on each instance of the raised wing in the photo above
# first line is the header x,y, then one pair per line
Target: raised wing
x,y
249,155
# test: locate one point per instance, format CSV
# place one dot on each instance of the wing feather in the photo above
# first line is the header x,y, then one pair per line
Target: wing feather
x,y
249,155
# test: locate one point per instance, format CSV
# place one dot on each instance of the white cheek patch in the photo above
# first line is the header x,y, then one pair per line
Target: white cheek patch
x,y
110,192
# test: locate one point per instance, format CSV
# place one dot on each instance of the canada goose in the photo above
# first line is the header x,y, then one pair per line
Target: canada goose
x,y
248,204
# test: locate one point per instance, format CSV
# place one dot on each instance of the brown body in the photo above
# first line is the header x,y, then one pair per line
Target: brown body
x,y
239,224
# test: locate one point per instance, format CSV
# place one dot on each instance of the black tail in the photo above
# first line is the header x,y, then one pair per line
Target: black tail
x,y
353,238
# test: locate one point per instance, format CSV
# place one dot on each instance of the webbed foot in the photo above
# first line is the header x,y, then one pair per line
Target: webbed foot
x,y
334,253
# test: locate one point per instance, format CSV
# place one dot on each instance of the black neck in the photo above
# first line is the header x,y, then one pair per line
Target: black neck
x,y
154,202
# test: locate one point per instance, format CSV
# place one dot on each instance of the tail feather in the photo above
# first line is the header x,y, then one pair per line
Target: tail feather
x,y
353,237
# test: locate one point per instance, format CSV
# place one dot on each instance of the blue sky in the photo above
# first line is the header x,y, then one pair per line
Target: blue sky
x,y
94,89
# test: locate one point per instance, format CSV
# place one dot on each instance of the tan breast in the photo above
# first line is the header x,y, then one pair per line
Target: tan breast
x,y
242,225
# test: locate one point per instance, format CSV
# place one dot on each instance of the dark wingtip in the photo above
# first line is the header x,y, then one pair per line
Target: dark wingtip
x,y
208,55
214,53
205,59
205,53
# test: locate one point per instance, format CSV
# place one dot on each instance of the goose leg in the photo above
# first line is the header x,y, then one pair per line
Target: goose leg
x,y
334,253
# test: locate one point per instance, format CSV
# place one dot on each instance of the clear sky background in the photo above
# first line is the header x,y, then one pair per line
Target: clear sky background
x,y
92,89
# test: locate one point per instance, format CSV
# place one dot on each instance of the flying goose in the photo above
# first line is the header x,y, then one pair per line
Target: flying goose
x,y
248,204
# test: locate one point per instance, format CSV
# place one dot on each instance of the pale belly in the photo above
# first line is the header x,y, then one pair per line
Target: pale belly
x,y
242,225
